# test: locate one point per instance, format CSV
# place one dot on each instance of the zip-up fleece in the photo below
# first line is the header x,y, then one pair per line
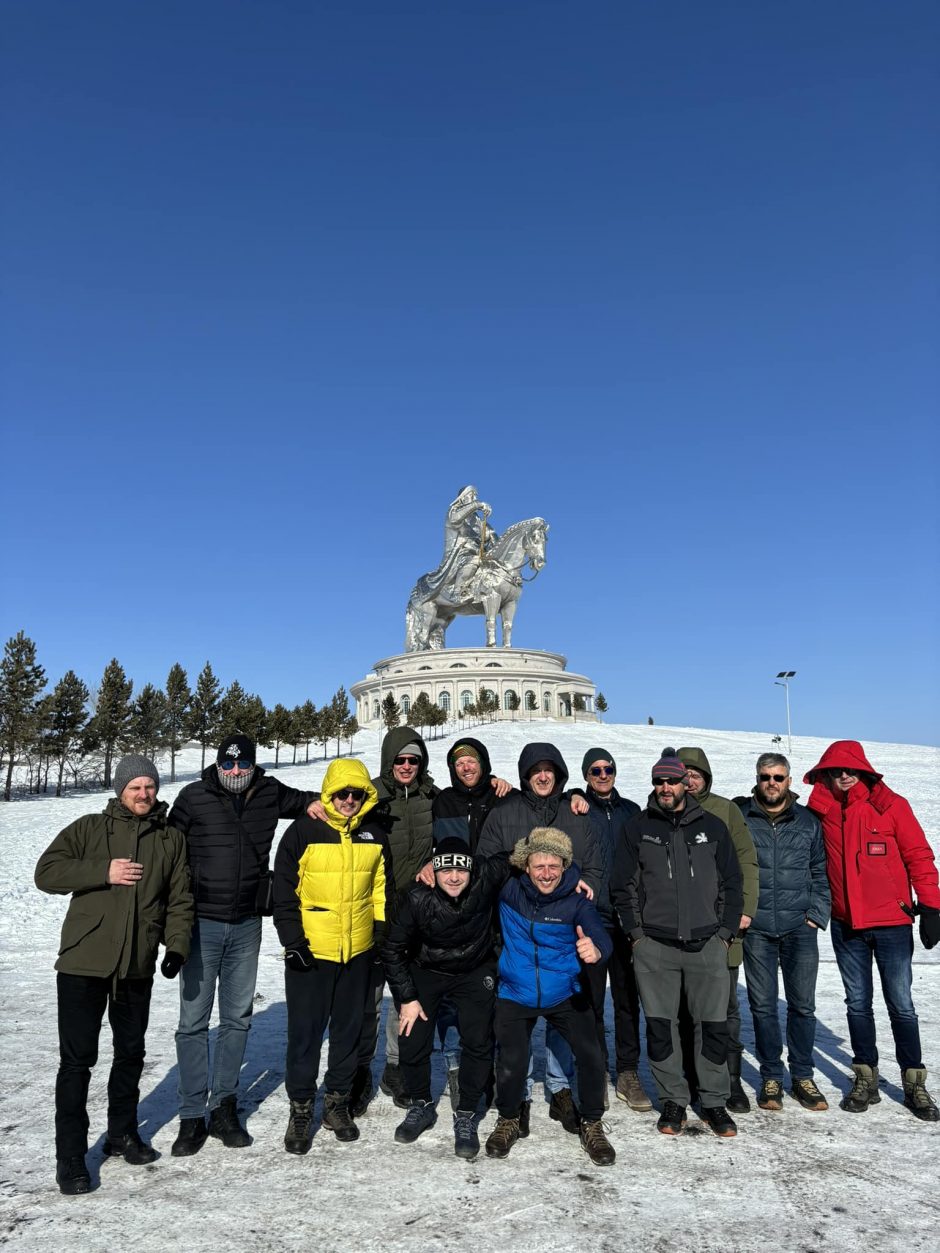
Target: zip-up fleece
x,y
677,877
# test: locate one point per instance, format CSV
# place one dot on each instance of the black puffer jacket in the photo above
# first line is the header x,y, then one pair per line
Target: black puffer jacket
x,y
794,884
228,851
435,931
460,811
405,812
521,812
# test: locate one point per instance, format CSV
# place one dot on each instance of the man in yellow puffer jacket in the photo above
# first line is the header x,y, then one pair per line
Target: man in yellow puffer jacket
x,y
332,887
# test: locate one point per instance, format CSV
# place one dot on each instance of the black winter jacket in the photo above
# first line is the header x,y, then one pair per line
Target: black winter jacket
x,y
433,930
791,856
677,877
460,811
228,852
521,812
609,816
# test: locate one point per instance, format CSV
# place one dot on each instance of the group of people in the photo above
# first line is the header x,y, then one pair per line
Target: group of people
x,y
484,908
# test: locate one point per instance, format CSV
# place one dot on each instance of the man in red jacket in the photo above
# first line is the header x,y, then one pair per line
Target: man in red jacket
x,y
877,857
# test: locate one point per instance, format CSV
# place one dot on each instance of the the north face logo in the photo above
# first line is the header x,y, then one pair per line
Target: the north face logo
x,y
232,750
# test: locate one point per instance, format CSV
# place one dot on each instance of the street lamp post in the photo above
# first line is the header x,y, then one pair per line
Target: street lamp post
x,y
783,680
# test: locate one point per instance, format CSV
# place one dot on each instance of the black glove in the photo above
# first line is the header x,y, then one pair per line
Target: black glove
x,y
299,958
172,964
929,925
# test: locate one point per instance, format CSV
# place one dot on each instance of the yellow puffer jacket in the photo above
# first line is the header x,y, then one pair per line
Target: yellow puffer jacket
x,y
331,878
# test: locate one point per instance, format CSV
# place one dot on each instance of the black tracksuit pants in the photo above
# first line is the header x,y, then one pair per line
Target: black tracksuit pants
x,y
473,994
575,1021
625,997
334,994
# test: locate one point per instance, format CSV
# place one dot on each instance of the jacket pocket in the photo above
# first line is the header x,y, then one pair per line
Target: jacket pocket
x,y
78,926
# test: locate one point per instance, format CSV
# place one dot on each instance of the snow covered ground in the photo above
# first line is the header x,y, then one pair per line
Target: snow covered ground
x,y
789,1181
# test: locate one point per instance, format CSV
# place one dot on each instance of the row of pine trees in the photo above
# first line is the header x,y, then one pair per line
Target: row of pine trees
x,y
71,735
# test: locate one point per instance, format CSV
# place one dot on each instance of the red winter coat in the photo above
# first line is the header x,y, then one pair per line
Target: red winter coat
x,y
875,847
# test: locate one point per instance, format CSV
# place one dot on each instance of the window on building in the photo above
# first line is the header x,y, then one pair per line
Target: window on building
x,y
375,709
547,703
510,699
444,701
405,704
466,698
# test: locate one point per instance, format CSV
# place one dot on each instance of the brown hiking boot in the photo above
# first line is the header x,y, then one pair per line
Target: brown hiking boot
x,y
808,1095
631,1090
863,1092
595,1143
770,1095
916,1097
336,1116
563,1109
503,1136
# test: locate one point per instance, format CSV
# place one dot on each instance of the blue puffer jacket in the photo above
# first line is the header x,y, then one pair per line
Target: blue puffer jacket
x,y
539,963
794,885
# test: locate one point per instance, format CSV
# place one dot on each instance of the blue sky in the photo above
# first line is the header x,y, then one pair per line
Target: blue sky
x,y
280,277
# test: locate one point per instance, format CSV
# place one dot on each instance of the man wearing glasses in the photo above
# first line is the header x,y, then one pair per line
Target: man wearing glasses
x,y
877,857
794,904
677,890
229,817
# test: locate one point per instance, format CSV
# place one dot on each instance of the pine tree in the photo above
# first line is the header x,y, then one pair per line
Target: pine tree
x,y
391,712
600,704
232,709
306,725
112,713
339,707
205,711
279,729
255,718
421,712
512,700
148,722
325,727
350,729
579,703
69,716
178,701
21,681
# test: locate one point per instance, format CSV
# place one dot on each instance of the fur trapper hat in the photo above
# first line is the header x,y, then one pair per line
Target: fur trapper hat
x,y
542,840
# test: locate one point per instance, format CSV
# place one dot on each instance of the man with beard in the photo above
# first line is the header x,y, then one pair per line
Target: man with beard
x,y
794,903
677,889
541,802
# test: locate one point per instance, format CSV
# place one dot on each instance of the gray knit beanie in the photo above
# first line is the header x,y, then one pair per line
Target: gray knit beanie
x,y
134,766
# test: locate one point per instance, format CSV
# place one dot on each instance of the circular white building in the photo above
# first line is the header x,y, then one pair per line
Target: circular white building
x,y
452,678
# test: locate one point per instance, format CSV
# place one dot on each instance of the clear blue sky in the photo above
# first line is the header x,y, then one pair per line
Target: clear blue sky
x,y
281,276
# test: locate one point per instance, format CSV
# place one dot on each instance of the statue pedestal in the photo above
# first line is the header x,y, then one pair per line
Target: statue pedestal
x,y
452,678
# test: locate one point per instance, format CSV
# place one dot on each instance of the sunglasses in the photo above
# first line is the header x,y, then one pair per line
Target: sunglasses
x,y
407,761
663,782
601,772
229,764
837,773
777,778
350,794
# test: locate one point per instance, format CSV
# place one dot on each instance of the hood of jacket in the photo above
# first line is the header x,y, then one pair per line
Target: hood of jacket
x,y
346,772
531,755
115,810
696,759
481,788
392,745
848,754
690,813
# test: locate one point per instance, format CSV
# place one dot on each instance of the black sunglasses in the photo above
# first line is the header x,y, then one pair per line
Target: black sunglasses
x,y
407,761
661,782
777,778
601,772
350,794
229,764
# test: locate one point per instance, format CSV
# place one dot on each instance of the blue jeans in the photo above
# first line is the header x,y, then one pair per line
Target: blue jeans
x,y
892,949
797,954
225,953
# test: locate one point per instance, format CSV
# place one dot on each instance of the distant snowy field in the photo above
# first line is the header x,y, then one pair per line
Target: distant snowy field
x,y
789,1181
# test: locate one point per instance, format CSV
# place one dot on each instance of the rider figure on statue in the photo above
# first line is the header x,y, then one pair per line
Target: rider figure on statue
x,y
468,538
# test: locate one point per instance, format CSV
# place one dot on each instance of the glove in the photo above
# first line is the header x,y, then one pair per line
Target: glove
x,y
929,925
172,964
299,958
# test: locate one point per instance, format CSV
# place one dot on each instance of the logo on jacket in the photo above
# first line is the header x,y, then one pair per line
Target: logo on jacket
x,y
651,839
489,983
701,838
366,835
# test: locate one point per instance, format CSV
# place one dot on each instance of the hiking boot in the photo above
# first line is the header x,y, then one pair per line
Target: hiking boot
x,y
336,1117
71,1174
453,1087
863,1092
595,1143
737,1102
297,1135
466,1140
672,1119
631,1090
192,1136
224,1125
525,1115
808,1095
503,1136
719,1120
563,1109
392,1084
421,1115
360,1094
916,1097
771,1094
131,1148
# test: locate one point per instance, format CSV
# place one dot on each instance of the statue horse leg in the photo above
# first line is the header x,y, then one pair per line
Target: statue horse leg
x,y
507,613
490,609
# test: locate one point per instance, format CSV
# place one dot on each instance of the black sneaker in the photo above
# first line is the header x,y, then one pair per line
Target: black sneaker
x,y
525,1115
808,1095
738,1102
224,1125
192,1136
466,1140
421,1115
771,1095
672,1119
392,1084
131,1148
563,1109
719,1120
71,1174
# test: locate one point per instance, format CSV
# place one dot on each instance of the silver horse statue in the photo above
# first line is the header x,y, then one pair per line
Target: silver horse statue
x,y
480,573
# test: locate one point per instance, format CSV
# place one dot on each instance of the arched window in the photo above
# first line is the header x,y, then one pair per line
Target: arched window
x,y
494,665
466,698
547,703
531,701
444,701
405,705
510,699
458,665
375,709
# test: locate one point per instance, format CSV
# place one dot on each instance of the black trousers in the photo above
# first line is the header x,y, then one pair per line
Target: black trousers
x,y
626,999
82,1001
575,1021
473,995
334,994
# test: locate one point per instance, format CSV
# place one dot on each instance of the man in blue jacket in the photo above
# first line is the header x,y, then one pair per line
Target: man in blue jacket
x,y
794,904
